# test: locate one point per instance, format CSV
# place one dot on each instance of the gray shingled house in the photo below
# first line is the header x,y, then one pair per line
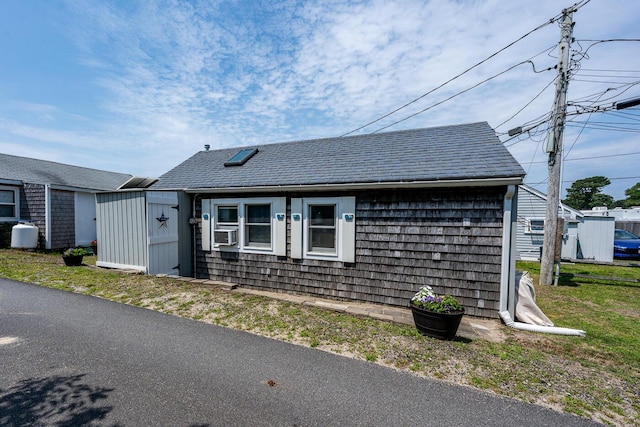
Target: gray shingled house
x,y
368,217
58,198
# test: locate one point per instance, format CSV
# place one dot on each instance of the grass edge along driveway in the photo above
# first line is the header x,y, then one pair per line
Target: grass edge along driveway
x,y
596,377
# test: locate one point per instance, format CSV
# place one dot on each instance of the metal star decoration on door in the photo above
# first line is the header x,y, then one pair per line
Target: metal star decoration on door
x,y
162,220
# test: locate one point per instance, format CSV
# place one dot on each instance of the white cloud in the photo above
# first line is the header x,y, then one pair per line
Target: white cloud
x,y
174,75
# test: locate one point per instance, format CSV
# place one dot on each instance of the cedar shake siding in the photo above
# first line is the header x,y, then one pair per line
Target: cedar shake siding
x,y
39,178
450,239
63,231
5,234
369,217
32,208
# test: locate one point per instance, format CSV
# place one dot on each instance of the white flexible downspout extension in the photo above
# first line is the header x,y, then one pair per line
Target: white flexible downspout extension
x,y
506,318
507,292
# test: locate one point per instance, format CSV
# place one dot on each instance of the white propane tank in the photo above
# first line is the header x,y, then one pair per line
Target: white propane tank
x,y
24,235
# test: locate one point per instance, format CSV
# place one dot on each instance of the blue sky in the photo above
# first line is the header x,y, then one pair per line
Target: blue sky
x,y
139,86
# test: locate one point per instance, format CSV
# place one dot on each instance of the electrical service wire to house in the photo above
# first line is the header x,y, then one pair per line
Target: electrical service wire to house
x,y
619,83
574,8
537,129
549,22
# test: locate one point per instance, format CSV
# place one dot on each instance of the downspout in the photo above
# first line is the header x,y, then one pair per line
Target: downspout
x,y
194,226
507,274
47,216
507,277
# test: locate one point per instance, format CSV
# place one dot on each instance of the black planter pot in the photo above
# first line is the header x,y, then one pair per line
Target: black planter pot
x,y
72,260
437,325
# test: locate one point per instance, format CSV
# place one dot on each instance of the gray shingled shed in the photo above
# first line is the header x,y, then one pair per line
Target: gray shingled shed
x,y
367,217
58,198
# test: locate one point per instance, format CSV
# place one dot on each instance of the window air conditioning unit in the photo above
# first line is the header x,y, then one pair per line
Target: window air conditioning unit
x,y
225,237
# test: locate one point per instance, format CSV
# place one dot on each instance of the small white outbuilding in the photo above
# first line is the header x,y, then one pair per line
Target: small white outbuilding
x,y
140,230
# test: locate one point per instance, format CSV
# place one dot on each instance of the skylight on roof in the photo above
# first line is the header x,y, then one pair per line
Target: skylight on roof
x,y
241,157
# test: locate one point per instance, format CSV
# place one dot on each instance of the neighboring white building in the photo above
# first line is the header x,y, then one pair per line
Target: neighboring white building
x,y
584,237
620,214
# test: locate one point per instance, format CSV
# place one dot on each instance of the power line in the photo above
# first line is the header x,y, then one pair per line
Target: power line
x,y
598,96
596,42
568,181
601,107
581,130
573,8
609,71
624,177
595,81
459,75
580,73
532,131
624,114
454,95
592,122
592,158
527,104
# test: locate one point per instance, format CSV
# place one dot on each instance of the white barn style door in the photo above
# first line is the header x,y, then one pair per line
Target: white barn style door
x,y
162,232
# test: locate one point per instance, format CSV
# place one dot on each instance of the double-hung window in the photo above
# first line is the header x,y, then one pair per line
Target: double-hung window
x,y
259,225
323,228
9,207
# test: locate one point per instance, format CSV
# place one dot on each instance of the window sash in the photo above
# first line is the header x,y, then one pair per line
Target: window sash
x,y
7,197
226,215
257,225
322,228
7,211
8,205
536,226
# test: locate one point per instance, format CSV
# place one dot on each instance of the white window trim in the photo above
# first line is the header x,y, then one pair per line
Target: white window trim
x,y
345,228
528,229
278,225
16,204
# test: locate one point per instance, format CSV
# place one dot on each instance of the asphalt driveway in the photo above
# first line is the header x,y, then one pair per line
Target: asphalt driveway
x,y
69,359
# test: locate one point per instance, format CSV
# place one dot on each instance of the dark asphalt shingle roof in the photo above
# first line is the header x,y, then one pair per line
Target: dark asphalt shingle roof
x,y
469,151
34,171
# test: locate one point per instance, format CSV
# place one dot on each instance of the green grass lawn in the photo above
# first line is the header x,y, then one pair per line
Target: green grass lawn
x,y
597,376
608,310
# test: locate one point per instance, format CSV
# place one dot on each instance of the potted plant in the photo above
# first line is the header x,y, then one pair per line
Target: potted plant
x,y
436,315
94,247
73,256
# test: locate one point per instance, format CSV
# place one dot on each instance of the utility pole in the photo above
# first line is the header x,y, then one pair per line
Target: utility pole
x,y
554,148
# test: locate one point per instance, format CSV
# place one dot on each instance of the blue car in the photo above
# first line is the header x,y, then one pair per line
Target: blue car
x,y
626,245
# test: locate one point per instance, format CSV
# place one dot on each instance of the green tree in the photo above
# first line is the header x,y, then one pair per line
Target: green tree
x,y
633,196
587,192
